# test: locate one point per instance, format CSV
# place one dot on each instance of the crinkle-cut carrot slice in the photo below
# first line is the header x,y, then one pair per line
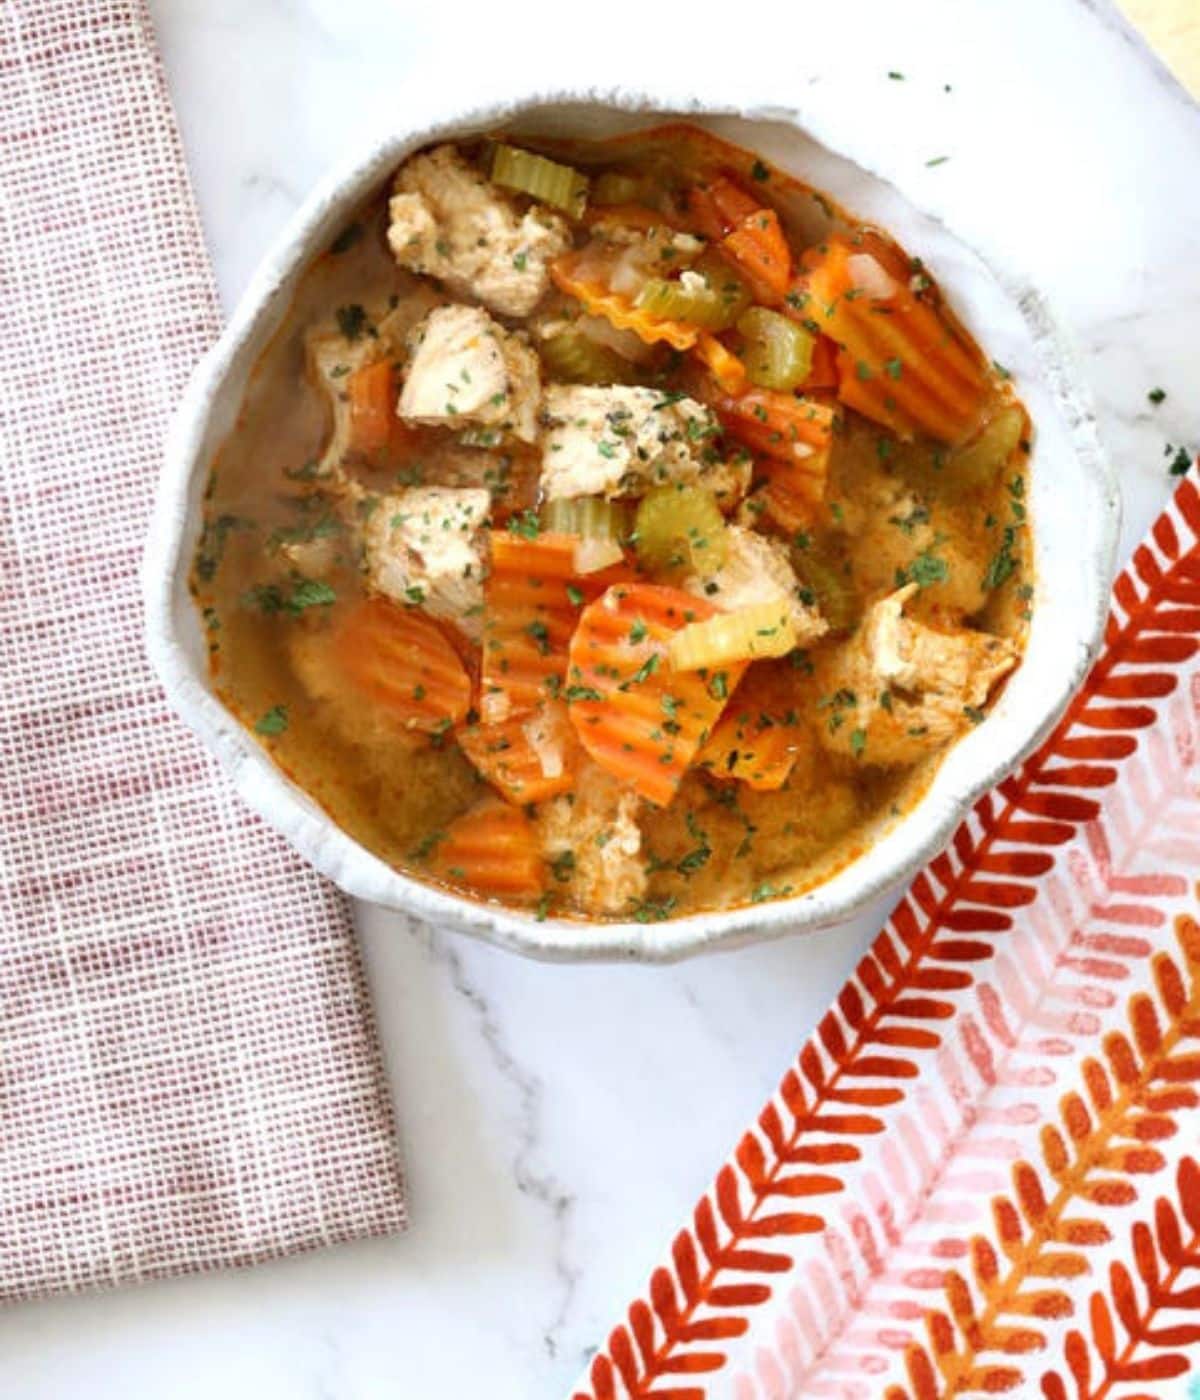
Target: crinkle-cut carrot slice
x,y
400,659
716,207
722,363
791,496
760,735
618,310
792,438
903,360
759,249
634,715
531,602
492,850
527,758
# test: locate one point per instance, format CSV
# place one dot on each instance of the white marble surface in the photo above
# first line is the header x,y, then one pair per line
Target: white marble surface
x,y
558,1121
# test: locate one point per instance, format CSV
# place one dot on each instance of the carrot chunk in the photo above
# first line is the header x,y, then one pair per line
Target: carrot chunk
x,y
717,206
531,600
527,758
902,359
758,248
492,850
634,715
402,660
372,397
759,737
824,372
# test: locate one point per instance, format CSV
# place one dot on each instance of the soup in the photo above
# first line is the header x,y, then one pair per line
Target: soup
x,y
616,530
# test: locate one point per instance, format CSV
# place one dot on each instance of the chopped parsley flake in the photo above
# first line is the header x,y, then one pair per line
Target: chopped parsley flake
x,y
764,890
352,320
925,570
274,722
526,525
654,911
346,240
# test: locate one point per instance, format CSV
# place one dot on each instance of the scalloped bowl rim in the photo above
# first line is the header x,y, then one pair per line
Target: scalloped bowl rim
x,y
969,770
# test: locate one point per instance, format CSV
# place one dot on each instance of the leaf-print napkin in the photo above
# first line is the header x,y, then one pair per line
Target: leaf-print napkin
x,y
980,1174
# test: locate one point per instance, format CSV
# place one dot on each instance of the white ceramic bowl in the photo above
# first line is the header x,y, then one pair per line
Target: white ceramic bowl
x,y
1074,505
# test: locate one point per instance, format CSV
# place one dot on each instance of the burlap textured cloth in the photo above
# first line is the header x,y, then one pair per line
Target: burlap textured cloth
x,y
189,1073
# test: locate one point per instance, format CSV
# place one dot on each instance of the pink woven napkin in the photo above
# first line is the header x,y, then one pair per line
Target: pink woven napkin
x,y
189,1073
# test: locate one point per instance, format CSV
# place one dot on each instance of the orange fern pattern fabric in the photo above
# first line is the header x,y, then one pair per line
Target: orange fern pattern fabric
x,y
981,1175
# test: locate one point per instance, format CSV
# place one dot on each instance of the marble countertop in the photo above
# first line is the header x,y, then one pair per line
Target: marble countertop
x,y
557,1122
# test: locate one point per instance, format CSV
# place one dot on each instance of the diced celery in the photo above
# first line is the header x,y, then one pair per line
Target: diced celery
x,y
778,353
707,294
678,528
689,299
617,187
541,179
589,517
982,460
835,593
575,358
735,295
762,630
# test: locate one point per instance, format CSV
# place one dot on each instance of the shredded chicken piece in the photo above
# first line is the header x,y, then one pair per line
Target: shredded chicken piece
x,y
757,570
898,691
467,369
619,440
448,221
424,547
596,827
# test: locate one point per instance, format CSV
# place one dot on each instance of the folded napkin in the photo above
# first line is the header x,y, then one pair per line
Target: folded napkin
x,y
189,1073
980,1175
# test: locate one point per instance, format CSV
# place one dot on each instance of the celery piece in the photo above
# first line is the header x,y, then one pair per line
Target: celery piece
x,y
707,295
689,299
836,596
762,630
541,179
778,353
575,358
617,187
735,295
982,460
680,527
589,517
